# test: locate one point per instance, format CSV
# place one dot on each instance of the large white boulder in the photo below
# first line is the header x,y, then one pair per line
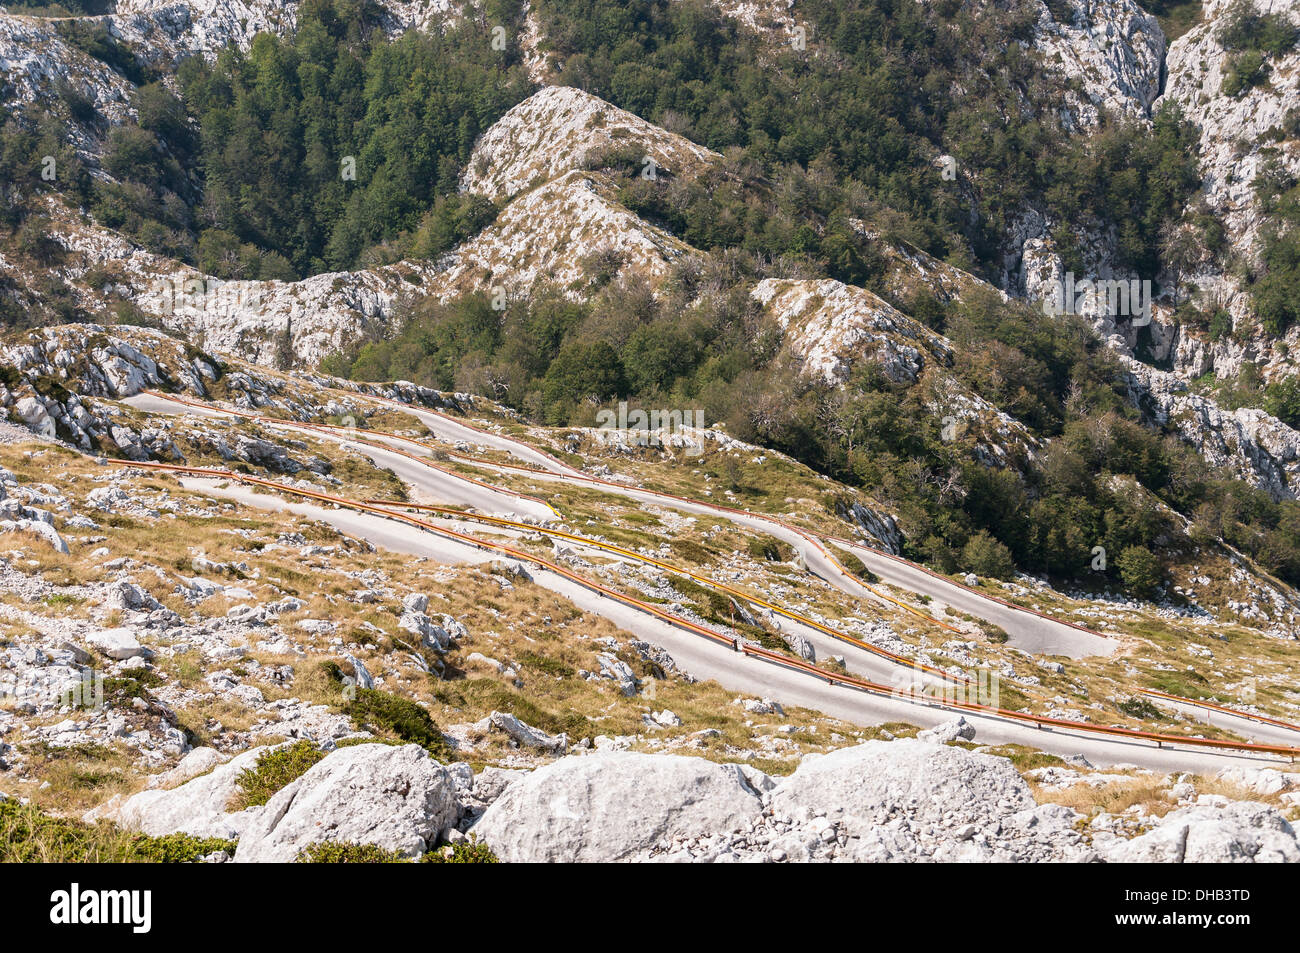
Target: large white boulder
x,y
199,761
395,797
959,729
903,800
1239,832
118,643
612,806
40,528
32,412
198,807
522,733
1260,780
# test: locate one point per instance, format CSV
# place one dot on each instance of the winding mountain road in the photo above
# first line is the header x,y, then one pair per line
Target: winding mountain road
x,y
1267,731
1026,630
708,659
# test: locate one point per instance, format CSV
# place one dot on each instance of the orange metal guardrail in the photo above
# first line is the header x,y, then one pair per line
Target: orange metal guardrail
x,y
1199,703
1038,721
704,580
764,517
810,537
387,513
571,475
831,677
351,435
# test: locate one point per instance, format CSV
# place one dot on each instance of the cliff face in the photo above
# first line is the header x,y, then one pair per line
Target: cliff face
x,y
1105,55
1240,132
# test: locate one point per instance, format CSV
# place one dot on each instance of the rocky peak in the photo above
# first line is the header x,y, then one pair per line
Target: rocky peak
x,y
830,326
557,130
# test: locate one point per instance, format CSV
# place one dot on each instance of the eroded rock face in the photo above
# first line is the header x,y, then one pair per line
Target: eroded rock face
x,y
1234,128
1110,50
899,800
832,330
831,326
35,59
1239,135
1252,445
895,801
555,130
395,797
1240,832
611,806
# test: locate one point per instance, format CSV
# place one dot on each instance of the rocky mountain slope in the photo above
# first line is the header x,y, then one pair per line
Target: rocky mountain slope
x,y
261,622
904,800
1106,57
550,233
225,633
561,129
1240,131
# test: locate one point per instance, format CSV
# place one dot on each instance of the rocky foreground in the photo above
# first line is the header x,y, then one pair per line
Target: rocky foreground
x,y
901,800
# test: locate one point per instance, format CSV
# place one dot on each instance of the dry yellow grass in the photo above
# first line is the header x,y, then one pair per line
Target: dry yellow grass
x,y
1113,797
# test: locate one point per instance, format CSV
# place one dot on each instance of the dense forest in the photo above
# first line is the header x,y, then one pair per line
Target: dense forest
x,y
333,148
337,147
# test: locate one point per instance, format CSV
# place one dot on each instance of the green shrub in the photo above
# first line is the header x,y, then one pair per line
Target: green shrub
x,y
470,852
765,547
385,712
179,848
1137,707
490,694
1220,325
1282,400
854,565
985,555
51,387
1246,28
1140,570
120,690
690,550
994,633
28,835
274,770
1245,70
1185,684
334,852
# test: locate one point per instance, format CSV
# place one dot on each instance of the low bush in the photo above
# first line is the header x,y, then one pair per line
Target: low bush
x,y
273,771
333,852
28,835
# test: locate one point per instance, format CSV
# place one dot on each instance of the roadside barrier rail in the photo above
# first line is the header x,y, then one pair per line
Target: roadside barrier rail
x,y
1200,703
832,678
572,473
569,475
732,591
